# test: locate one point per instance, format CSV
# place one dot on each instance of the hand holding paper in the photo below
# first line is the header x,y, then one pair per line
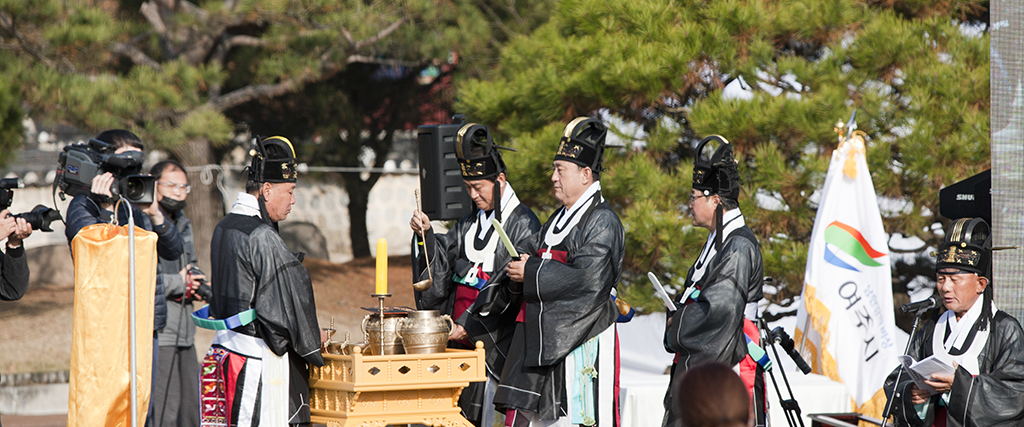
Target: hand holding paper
x,y
924,371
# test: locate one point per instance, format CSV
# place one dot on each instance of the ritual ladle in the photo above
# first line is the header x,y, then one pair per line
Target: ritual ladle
x,y
425,284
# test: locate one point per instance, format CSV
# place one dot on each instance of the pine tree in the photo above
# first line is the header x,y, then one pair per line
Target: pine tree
x,y
916,72
169,69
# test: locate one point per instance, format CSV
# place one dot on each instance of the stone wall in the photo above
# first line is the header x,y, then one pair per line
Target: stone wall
x,y
320,216
317,225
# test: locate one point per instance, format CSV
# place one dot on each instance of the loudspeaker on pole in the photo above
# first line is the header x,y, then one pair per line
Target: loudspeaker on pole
x,y
444,195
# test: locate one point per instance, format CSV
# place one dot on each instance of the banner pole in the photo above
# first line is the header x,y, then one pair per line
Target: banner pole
x,y
131,315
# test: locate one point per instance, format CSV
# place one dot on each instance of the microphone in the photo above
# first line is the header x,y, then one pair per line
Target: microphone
x,y
920,306
780,337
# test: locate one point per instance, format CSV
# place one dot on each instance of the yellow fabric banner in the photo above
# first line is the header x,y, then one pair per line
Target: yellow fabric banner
x,y
100,380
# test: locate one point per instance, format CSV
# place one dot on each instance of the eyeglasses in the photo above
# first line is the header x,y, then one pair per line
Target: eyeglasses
x,y
176,187
694,198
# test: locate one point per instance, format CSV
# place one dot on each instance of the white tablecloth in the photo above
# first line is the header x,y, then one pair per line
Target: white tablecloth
x,y
643,382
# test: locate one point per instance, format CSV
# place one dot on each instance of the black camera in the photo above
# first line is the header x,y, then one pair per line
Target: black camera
x,y
204,290
39,217
80,163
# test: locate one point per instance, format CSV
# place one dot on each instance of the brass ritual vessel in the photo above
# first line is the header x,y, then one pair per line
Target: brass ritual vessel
x,y
425,332
372,333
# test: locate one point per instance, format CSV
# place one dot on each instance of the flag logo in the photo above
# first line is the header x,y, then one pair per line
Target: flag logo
x,y
850,241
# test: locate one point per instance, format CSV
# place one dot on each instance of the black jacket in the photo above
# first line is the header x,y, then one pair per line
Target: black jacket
x,y
14,276
83,211
992,397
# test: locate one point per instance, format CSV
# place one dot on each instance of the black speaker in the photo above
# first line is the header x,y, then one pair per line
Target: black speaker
x,y
444,196
970,198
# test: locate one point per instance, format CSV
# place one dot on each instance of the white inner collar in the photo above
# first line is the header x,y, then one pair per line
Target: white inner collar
x,y
733,220
484,219
960,329
247,205
568,218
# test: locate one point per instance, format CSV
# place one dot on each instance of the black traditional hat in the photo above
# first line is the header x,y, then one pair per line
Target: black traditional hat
x,y
583,143
477,153
714,168
273,160
967,246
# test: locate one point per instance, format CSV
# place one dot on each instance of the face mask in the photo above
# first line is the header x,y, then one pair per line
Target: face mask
x,y
172,205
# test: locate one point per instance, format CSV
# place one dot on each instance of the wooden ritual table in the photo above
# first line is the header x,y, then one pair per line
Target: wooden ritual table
x,y
375,391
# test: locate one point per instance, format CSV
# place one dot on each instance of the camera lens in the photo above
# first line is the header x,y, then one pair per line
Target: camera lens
x,y
134,188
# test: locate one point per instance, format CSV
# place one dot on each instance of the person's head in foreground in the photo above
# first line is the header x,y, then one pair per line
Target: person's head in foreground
x,y
712,395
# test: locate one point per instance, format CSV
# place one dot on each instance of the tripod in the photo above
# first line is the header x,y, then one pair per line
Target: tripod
x,y
779,336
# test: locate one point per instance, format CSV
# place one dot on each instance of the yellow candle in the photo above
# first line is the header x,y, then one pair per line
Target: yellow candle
x,y
382,266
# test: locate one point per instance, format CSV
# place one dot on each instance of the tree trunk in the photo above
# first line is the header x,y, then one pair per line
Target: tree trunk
x,y
205,204
358,200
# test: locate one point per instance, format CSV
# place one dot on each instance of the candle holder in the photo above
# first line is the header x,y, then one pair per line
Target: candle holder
x,y
380,315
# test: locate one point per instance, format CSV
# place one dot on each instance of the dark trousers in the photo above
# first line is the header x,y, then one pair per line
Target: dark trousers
x,y
175,399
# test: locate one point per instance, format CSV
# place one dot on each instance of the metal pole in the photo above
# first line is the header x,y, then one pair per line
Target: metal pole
x,y
899,373
131,314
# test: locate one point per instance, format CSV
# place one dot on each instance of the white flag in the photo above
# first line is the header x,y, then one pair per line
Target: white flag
x,y
845,324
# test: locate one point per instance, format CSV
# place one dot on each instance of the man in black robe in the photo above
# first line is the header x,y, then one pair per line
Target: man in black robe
x,y
468,265
714,318
563,363
256,373
984,346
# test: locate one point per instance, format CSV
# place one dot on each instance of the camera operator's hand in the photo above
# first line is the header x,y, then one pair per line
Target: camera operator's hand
x,y
196,281
192,282
22,230
153,211
8,224
101,186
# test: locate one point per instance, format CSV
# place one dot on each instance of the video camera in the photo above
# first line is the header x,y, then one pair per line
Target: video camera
x,y
39,217
81,162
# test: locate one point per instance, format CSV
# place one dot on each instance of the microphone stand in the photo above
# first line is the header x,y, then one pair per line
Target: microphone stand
x,y
899,373
789,406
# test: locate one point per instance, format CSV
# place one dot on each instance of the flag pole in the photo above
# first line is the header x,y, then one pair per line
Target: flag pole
x,y
131,316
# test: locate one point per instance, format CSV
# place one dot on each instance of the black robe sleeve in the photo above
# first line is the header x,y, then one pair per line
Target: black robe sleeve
x,y
996,396
496,298
443,250
570,303
491,318
285,308
14,276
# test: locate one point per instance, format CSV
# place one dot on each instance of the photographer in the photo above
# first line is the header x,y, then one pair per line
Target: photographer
x,y
176,390
13,264
96,208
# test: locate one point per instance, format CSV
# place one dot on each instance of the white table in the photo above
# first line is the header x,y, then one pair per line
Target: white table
x,y
643,361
